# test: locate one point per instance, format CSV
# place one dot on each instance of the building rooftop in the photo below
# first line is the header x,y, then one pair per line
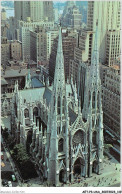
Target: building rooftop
x,y
116,67
3,82
14,73
44,93
36,83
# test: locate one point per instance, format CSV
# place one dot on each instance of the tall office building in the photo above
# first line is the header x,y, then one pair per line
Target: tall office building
x,y
32,9
69,39
22,10
41,41
107,13
24,29
111,99
36,10
48,10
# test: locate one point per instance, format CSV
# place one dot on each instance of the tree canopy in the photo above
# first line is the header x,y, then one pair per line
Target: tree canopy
x,y
19,153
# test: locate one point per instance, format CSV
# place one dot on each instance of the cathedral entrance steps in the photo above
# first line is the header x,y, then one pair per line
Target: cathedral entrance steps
x,y
110,176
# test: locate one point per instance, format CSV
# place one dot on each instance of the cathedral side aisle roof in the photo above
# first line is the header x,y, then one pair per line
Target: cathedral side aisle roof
x,y
36,83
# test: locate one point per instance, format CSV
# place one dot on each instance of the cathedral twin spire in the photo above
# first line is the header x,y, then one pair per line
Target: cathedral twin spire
x,y
93,82
59,78
94,70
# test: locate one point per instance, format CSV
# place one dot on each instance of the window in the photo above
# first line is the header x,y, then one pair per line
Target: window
x,y
26,113
60,145
58,105
63,105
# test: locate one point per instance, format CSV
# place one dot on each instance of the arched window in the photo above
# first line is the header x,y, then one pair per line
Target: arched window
x,y
58,105
35,111
63,105
60,145
93,100
94,137
64,128
58,130
98,96
26,113
79,137
89,97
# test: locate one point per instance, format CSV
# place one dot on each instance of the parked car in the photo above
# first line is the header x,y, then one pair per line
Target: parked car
x,y
2,164
2,156
13,177
9,183
4,182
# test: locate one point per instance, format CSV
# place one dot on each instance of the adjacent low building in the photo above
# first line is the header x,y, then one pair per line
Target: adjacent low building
x,y
4,85
11,76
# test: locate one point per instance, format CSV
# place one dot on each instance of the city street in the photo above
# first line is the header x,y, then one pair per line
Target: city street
x,y
7,170
9,167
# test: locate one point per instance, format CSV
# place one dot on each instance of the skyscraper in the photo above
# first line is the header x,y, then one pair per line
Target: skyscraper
x,y
36,10
108,15
48,10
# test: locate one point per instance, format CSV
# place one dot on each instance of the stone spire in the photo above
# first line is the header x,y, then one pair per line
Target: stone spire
x,y
93,83
93,109
94,70
59,78
57,128
28,78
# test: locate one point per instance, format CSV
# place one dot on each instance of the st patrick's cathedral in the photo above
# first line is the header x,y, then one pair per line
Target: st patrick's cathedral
x,y
62,140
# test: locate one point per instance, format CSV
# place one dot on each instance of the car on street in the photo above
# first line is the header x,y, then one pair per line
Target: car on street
x,y
2,164
2,156
13,177
4,182
9,183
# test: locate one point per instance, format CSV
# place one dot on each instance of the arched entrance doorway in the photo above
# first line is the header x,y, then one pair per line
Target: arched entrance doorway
x,y
94,167
79,167
61,176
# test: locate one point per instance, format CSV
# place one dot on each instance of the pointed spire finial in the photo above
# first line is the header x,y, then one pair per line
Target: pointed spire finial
x,y
59,78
